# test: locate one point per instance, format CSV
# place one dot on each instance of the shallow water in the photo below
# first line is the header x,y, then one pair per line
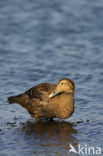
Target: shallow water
x,y
44,41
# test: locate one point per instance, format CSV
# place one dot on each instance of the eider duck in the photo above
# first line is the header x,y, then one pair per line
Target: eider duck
x,y
48,100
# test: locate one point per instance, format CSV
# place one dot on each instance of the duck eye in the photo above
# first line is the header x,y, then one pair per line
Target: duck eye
x,y
61,83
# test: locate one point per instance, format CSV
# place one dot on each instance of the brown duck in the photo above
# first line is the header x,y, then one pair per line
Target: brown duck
x,y
48,100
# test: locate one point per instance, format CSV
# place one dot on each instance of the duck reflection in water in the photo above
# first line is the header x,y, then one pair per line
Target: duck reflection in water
x,y
51,133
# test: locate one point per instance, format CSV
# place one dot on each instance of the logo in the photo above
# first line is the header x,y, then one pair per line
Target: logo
x,y
85,150
72,149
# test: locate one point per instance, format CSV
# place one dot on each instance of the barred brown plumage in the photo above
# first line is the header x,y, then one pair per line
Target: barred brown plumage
x,y
48,100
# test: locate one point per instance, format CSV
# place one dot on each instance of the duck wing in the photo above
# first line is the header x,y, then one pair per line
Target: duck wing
x,y
41,91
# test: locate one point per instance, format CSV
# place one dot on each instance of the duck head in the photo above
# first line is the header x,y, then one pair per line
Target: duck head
x,y
64,85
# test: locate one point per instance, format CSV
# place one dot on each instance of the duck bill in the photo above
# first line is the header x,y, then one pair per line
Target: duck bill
x,y
54,93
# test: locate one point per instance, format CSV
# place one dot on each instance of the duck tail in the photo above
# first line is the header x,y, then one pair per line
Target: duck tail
x,y
12,99
21,99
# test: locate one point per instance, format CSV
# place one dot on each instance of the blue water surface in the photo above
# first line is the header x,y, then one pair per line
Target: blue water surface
x,y
44,41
